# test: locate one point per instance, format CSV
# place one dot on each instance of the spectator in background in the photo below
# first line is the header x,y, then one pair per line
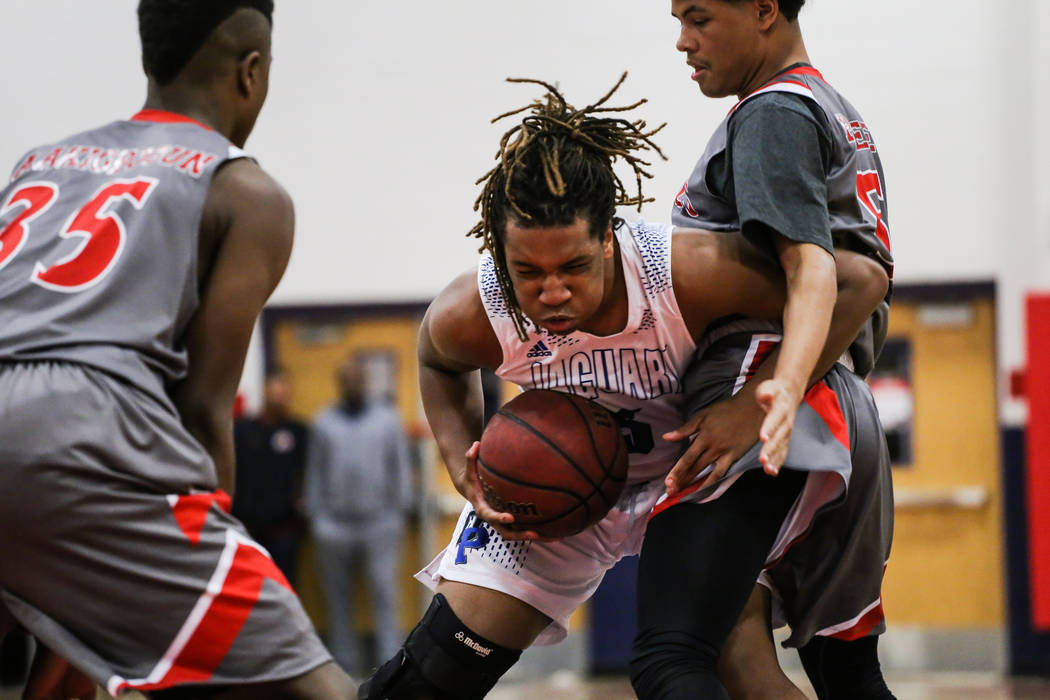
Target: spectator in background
x,y
271,457
358,492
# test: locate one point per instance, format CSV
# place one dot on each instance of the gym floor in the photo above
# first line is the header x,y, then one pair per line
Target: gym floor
x,y
926,686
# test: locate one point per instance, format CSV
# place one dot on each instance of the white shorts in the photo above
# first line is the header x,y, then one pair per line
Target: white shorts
x,y
553,577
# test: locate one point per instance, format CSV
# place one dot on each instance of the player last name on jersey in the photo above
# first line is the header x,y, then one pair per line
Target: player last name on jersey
x,y
641,373
109,161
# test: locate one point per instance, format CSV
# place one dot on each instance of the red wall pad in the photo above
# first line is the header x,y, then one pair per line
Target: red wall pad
x,y
1038,449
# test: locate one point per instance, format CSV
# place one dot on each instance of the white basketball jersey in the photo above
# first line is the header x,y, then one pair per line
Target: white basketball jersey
x,y
635,373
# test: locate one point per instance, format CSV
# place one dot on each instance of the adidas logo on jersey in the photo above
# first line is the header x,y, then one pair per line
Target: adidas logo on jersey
x,y
539,350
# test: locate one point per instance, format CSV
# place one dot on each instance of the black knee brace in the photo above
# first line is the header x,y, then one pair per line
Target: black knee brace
x,y
441,660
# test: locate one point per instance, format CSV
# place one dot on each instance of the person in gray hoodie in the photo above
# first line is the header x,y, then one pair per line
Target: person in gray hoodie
x,y
358,492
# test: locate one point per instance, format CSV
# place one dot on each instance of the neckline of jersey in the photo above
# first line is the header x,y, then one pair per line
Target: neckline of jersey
x,y
782,77
166,117
796,69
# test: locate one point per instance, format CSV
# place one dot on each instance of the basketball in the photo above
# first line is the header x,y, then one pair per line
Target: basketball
x,y
556,461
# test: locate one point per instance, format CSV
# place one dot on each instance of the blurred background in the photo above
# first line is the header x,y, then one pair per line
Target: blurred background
x,y
378,124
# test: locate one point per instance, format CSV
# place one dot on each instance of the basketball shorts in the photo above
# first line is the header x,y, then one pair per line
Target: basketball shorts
x,y
830,583
553,577
118,551
825,577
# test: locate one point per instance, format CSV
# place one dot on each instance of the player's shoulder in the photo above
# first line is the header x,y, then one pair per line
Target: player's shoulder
x,y
458,306
691,246
39,151
780,109
456,329
242,183
244,200
460,296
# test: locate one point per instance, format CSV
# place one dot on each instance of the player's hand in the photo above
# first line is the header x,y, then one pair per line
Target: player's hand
x,y
721,434
779,402
500,521
53,678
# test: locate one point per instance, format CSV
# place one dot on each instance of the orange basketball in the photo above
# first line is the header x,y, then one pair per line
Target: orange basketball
x,y
558,462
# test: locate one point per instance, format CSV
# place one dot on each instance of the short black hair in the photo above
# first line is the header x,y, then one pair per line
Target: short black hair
x,y
790,8
173,30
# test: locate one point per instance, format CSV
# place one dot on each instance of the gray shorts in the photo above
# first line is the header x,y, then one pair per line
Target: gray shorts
x,y
828,580
118,551
830,583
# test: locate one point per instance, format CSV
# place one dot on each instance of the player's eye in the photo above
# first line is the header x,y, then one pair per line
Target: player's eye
x,y
526,274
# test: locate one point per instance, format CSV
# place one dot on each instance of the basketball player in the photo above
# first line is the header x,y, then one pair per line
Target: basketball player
x,y
794,168
134,259
569,297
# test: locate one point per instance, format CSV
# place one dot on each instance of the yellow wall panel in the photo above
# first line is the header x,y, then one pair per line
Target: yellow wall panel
x,y
946,568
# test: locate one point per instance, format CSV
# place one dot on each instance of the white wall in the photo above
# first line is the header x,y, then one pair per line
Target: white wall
x,y
378,121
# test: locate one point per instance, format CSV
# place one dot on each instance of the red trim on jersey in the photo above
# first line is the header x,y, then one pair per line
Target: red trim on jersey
x,y
805,70
823,400
783,78
229,610
163,116
864,625
191,511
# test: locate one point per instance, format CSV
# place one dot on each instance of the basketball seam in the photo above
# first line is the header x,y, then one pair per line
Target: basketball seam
x,y
529,484
594,448
510,416
621,446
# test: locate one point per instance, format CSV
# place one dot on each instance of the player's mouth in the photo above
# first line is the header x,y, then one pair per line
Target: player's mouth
x,y
699,70
559,324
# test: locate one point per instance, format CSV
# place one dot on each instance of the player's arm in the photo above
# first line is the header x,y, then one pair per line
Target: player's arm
x,y
861,284
727,275
720,274
811,277
246,229
455,341
744,282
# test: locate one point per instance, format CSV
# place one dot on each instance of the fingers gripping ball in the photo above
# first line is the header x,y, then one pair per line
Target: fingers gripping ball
x,y
556,461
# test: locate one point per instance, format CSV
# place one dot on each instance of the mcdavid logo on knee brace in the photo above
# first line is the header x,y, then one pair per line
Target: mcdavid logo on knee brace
x,y
478,649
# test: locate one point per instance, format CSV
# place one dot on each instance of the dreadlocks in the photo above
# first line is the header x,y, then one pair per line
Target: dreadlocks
x,y
555,166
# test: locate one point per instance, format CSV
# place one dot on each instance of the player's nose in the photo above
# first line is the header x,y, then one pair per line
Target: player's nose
x,y
685,43
554,292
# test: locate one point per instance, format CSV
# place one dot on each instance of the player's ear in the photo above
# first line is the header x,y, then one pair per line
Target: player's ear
x,y
250,73
767,12
607,242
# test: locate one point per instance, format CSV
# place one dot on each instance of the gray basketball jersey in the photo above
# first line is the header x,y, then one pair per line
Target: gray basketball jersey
x,y
856,193
99,247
